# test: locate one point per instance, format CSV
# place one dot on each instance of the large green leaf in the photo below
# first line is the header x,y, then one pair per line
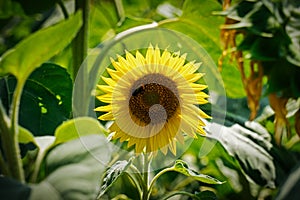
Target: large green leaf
x,y
68,131
183,168
202,26
46,98
76,128
251,149
39,47
73,169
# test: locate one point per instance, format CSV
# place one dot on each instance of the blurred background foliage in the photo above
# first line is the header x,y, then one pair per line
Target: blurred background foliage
x,y
257,158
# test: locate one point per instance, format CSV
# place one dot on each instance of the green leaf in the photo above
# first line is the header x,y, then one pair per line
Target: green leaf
x,y
113,173
183,168
25,136
39,47
250,148
68,131
46,98
202,26
73,169
75,128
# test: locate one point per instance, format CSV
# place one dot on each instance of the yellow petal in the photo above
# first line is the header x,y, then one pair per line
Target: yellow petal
x,y
131,59
165,57
198,87
109,81
107,116
105,88
149,54
117,65
193,77
116,75
140,59
106,98
107,108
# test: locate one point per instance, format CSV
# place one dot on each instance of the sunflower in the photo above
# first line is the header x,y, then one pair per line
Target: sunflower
x,y
153,100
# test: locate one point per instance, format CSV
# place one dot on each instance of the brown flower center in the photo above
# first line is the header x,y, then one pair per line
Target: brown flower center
x,y
154,99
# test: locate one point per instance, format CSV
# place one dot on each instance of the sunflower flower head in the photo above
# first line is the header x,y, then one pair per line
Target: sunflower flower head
x,y
153,100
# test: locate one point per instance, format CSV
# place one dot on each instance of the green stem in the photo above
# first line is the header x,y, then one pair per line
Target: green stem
x,y
156,177
4,133
174,193
3,167
12,150
136,181
120,11
138,175
80,44
79,51
146,177
63,9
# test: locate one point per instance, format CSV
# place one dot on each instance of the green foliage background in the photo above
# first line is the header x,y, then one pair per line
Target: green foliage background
x,y
37,71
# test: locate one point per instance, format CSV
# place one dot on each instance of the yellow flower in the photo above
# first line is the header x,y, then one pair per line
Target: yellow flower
x,y
153,100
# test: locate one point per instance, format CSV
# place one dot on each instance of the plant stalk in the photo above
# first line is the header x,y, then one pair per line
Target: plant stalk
x,y
146,177
80,43
79,51
10,136
4,133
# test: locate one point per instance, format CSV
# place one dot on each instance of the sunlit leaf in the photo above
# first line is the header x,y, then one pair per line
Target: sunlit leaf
x,y
25,136
38,48
183,168
75,128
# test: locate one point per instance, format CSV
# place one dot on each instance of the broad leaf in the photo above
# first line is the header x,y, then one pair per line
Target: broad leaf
x,y
251,149
183,168
112,174
68,131
76,128
73,169
38,48
201,25
46,98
